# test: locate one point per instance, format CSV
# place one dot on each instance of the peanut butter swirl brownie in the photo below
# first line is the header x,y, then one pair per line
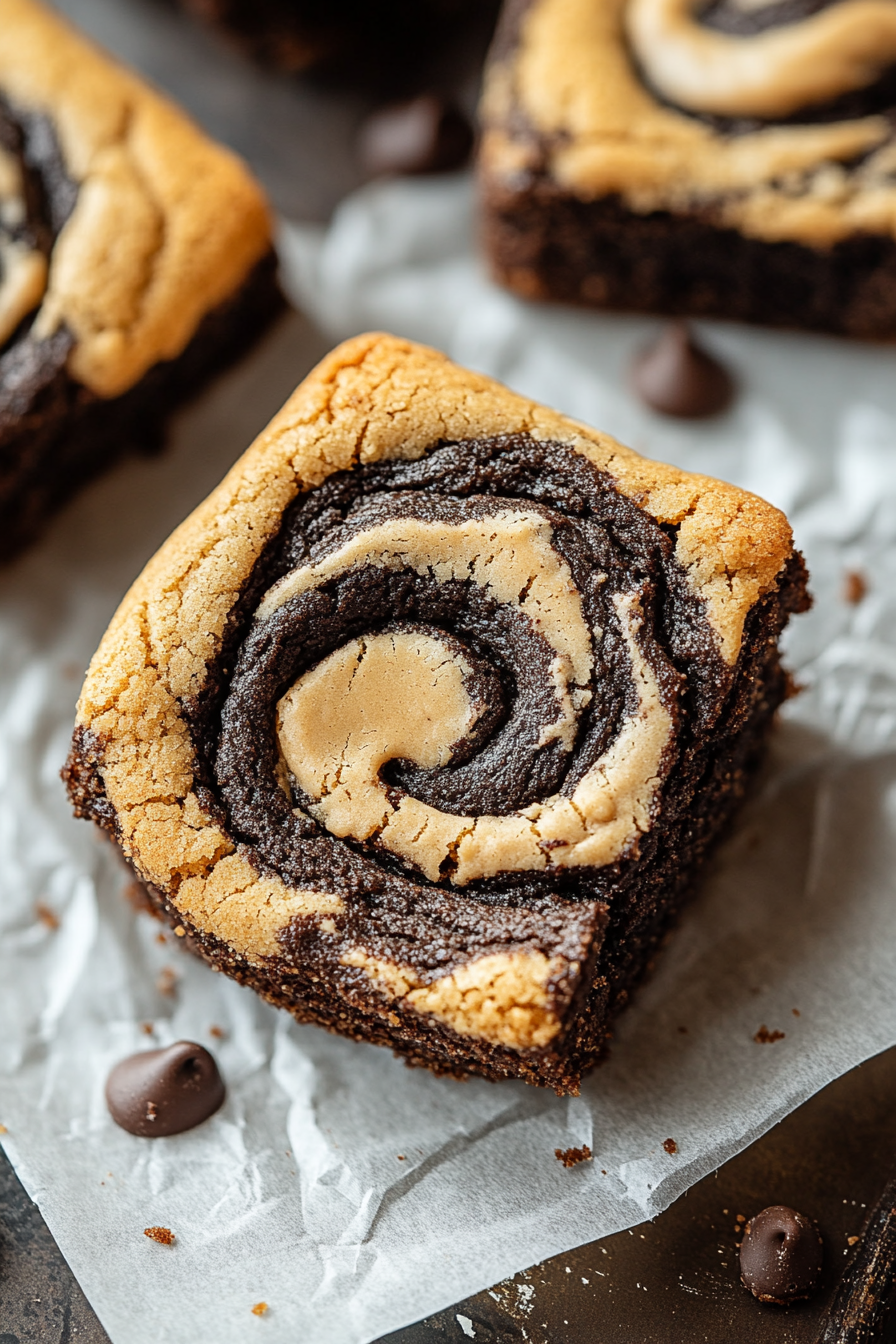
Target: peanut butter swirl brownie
x,y
422,723
135,257
729,157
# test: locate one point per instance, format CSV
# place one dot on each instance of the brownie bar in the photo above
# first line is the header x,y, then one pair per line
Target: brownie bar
x,y
462,740
135,262
368,40
633,202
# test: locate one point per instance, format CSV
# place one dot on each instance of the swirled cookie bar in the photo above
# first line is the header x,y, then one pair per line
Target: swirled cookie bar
x,y
423,722
135,260
734,158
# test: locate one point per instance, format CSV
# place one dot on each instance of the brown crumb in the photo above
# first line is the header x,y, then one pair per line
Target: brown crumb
x,y
670,1145
766,1037
402,1158
260,1309
851,1241
166,981
795,1011
739,1218
147,1028
855,586
46,915
570,1156
602,1172
180,931
138,897
163,1235
218,1032
160,938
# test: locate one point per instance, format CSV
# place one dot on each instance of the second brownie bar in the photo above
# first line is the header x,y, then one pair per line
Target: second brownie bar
x,y
135,260
734,163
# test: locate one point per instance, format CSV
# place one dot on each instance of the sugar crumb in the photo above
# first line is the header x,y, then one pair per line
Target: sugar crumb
x,y
166,981
855,586
260,1309
766,1037
163,1235
46,915
670,1146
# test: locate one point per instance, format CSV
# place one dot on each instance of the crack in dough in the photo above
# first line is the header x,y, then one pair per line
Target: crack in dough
x,y
770,74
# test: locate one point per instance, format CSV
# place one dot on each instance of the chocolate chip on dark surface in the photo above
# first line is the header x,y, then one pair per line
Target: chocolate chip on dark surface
x,y
675,376
160,1092
781,1255
425,135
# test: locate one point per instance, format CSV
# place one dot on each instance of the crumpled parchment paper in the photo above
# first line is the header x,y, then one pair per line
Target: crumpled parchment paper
x,y
294,1193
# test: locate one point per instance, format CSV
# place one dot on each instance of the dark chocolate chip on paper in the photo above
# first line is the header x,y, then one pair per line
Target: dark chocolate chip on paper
x,y
676,376
157,1093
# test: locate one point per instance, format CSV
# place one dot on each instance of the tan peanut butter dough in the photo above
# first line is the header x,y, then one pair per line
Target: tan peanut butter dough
x,y
601,131
166,226
377,398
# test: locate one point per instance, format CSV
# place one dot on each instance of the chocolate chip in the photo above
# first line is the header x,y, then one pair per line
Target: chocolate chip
x,y
677,377
780,1256
160,1092
425,135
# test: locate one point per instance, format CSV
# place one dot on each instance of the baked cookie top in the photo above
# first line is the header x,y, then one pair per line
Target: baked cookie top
x,y
413,677
121,224
769,116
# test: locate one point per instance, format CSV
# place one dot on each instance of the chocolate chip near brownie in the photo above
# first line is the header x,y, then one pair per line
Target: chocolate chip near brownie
x,y
734,159
423,722
135,260
157,1093
781,1256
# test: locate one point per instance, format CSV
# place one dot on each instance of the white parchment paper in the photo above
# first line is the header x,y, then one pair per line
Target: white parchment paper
x,y
294,1193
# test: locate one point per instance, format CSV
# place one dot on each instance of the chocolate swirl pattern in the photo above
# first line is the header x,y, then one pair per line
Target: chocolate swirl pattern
x,y
494,702
769,74
424,739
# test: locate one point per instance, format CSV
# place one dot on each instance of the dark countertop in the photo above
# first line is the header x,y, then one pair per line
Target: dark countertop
x,y
665,1282
668,1281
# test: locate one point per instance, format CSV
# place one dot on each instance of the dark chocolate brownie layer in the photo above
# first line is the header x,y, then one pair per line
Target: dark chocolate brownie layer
x,y
547,244
611,916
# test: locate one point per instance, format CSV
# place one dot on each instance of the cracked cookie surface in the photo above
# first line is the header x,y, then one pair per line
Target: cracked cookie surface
x,y
392,722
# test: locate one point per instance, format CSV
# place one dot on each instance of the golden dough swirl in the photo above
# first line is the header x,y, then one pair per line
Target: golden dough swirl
x,y
769,75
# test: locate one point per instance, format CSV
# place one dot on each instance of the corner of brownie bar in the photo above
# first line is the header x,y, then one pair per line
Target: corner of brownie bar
x,y
455,698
